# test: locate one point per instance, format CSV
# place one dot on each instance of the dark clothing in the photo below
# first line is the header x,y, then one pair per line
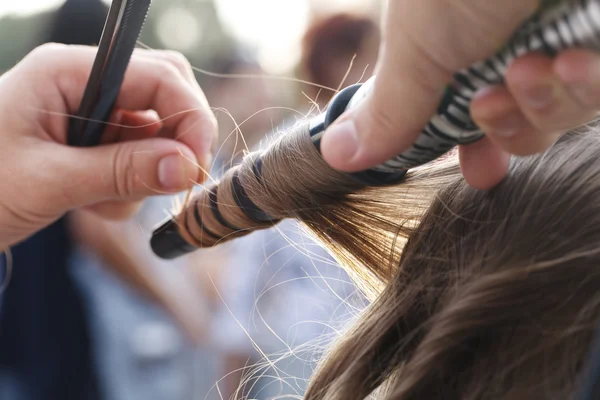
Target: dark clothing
x,y
44,341
78,22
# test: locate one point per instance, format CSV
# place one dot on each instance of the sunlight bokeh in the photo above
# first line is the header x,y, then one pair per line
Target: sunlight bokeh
x,y
272,27
275,27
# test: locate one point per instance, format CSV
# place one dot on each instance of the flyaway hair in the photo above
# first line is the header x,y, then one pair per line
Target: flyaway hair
x,y
495,295
337,208
476,294
290,180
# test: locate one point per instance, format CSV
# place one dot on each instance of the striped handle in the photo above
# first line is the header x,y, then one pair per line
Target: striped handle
x,y
569,25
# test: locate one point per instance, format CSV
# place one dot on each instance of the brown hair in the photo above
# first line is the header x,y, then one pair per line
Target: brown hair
x,y
477,294
495,295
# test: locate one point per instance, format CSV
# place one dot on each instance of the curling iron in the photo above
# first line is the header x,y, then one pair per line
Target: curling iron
x,y
572,24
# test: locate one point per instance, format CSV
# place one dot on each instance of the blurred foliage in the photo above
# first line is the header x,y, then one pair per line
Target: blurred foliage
x,y
215,42
213,51
20,34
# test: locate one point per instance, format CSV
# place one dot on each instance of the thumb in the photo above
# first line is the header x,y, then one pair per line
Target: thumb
x,y
128,170
408,86
403,98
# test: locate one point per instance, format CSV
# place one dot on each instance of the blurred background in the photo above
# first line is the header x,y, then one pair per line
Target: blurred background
x,y
246,320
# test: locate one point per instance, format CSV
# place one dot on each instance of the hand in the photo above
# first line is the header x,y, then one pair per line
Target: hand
x,y
423,46
42,178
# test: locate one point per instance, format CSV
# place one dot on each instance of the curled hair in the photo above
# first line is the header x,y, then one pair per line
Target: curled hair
x,y
291,180
477,294
496,292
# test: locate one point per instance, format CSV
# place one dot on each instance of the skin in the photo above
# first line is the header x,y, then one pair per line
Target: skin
x,y
542,98
43,178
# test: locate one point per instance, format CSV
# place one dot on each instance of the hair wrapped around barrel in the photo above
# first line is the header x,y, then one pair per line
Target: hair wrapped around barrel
x,y
288,180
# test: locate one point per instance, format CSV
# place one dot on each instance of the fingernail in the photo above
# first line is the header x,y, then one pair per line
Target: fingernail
x,y
172,172
151,114
540,97
507,126
345,137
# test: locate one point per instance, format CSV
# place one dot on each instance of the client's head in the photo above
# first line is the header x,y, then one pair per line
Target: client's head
x,y
487,294
477,294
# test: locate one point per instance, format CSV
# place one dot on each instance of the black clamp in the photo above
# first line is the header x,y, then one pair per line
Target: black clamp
x,y
167,243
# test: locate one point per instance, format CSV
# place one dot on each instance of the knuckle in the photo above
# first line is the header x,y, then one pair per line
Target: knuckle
x,y
47,52
124,177
50,48
166,70
41,55
178,60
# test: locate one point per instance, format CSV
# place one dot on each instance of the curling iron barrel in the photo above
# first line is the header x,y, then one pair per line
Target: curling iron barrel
x,y
245,199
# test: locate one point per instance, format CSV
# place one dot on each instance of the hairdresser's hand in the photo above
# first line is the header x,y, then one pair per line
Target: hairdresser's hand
x,y
424,44
42,178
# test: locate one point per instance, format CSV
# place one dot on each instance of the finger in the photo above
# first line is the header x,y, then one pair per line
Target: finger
x,y
186,115
150,83
417,62
579,72
132,125
116,210
543,98
178,61
185,69
483,164
496,112
123,171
